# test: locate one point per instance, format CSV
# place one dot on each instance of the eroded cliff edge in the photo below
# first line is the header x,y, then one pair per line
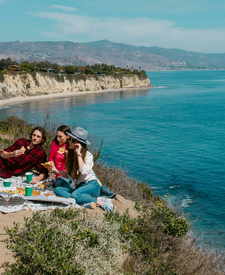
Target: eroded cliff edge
x,y
25,85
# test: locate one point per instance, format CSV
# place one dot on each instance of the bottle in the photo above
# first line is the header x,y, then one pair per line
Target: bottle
x,y
51,178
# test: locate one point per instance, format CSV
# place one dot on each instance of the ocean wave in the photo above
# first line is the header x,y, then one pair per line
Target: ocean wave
x,y
174,186
156,187
5,107
187,201
159,87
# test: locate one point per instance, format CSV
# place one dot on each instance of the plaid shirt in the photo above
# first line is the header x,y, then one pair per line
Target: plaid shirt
x,y
31,158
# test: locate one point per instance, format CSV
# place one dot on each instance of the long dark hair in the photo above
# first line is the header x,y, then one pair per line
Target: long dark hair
x,y
72,163
65,129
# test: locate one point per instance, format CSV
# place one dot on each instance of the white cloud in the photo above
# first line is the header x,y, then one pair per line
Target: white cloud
x,y
63,8
139,31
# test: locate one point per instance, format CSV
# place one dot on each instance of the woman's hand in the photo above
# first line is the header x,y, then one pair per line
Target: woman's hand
x,y
1,151
34,181
78,148
52,168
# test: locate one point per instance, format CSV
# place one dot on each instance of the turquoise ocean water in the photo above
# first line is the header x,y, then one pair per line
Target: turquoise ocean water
x,y
171,137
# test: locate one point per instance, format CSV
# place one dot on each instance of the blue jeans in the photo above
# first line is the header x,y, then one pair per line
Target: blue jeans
x,y
61,181
85,192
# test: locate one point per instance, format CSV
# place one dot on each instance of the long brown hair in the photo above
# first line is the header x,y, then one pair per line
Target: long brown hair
x,y
72,163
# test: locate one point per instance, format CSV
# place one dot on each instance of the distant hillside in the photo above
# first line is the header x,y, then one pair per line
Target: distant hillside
x,y
104,51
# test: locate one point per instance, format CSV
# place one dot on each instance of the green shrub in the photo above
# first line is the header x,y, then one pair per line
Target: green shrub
x,y
1,77
146,190
146,244
88,71
76,78
168,220
4,90
59,77
121,83
33,74
61,243
28,85
4,141
16,127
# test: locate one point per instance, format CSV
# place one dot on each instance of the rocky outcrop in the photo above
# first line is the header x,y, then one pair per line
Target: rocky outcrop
x,y
23,85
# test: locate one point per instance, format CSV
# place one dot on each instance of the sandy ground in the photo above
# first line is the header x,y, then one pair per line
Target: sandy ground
x,y
17,100
120,204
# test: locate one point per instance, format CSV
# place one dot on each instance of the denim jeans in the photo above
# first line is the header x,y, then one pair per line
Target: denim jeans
x,y
85,192
61,181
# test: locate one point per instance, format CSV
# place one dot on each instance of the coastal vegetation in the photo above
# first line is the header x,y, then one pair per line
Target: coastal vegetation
x,y
26,79
73,242
9,66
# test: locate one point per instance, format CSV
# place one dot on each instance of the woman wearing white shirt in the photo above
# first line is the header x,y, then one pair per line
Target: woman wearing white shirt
x,y
84,186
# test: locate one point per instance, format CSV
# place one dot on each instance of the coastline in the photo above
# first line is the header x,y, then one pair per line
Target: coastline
x,y
16,100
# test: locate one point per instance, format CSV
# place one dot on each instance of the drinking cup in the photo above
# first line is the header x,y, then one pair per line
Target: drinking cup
x,y
28,190
7,183
29,176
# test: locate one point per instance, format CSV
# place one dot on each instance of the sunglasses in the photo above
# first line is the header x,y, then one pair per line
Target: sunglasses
x,y
72,139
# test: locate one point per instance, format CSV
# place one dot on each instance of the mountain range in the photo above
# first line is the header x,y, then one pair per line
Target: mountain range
x,y
104,51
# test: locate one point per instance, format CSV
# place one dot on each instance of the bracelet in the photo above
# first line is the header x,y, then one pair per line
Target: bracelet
x,y
79,155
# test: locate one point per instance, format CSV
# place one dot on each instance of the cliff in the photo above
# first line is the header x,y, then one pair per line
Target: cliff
x,y
25,85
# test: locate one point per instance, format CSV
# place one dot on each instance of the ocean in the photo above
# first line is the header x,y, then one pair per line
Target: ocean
x,y
170,136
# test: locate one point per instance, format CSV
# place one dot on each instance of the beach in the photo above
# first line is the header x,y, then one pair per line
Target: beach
x,y
18,100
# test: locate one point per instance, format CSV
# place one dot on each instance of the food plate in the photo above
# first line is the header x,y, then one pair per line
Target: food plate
x,y
18,191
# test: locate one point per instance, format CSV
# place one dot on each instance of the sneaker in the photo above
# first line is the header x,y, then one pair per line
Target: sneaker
x,y
105,192
90,205
108,206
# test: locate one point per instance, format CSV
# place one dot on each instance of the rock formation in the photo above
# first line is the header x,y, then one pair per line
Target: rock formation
x,y
24,85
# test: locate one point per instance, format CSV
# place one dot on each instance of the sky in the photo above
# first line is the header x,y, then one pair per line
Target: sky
x,y
193,25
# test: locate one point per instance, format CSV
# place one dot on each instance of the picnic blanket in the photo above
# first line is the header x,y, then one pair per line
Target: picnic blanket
x,y
37,204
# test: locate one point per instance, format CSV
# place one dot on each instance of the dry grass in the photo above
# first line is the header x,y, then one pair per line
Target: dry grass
x,y
180,255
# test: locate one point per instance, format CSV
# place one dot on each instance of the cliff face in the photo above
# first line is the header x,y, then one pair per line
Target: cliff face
x,y
23,85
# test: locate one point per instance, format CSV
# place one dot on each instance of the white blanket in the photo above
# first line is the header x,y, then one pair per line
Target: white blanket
x,y
20,181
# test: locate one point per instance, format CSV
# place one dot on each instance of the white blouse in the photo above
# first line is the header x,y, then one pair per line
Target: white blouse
x,y
86,171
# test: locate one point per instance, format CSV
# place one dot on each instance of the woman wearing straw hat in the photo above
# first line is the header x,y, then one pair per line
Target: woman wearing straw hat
x,y
84,187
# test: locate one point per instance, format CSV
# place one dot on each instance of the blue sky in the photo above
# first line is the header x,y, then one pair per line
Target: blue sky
x,y
193,25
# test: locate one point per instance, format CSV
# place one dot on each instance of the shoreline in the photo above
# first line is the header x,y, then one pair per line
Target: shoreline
x,y
16,100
